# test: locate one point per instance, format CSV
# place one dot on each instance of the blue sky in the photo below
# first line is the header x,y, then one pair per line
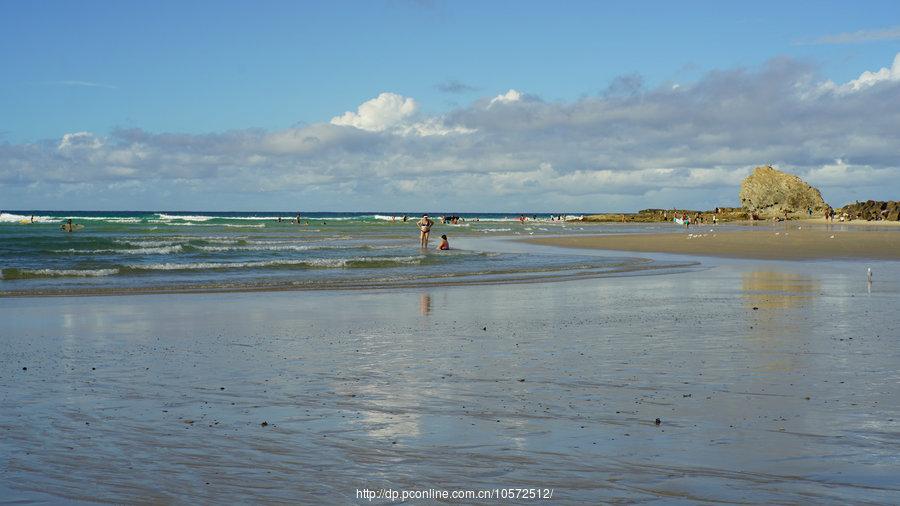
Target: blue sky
x,y
203,69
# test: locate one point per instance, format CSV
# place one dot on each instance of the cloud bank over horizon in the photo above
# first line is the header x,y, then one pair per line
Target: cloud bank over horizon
x,y
679,144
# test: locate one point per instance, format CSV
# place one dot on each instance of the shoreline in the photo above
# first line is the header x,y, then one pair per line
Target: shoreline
x,y
772,244
640,266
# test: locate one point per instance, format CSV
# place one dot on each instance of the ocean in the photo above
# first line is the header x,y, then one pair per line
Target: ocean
x,y
113,252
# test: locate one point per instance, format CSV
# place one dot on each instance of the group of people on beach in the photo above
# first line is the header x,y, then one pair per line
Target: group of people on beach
x,y
686,220
425,225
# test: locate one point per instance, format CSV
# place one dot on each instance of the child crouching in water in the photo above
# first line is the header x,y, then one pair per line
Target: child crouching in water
x,y
445,244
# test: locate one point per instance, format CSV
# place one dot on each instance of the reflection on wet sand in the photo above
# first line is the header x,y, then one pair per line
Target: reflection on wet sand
x,y
539,385
778,290
773,297
425,303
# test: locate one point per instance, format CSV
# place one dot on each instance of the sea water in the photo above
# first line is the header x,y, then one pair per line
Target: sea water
x,y
154,251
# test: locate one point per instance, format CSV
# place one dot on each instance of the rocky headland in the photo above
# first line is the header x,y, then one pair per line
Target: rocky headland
x,y
770,193
767,193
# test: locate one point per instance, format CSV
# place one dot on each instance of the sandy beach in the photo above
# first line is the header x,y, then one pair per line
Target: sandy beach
x,y
773,383
784,241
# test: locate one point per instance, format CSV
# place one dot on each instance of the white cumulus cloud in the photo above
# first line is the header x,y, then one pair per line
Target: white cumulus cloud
x,y
634,148
505,98
78,140
868,79
385,111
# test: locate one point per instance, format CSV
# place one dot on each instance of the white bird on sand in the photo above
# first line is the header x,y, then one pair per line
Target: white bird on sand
x,y
832,237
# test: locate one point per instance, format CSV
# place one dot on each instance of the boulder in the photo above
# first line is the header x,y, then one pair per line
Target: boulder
x,y
872,210
770,193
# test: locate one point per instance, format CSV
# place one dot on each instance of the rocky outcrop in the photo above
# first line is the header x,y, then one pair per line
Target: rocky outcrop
x,y
666,215
770,193
872,210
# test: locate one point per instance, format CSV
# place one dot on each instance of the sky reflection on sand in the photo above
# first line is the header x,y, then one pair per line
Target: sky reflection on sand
x,y
543,385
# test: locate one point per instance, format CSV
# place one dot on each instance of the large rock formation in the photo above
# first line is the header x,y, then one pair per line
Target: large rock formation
x,y
768,193
872,210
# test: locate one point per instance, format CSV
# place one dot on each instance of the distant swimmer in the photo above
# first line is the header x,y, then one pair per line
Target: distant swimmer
x,y
424,225
298,219
445,244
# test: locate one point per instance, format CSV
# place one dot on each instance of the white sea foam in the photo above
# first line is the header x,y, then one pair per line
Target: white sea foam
x,y
204,217
170,266
164,250
312,262
185,217
110,219
249,218
16,218
261,247
192,224
66,272
147,243
286,246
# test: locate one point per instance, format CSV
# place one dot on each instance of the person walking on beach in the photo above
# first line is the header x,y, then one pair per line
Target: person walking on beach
x,y
445,244
424,225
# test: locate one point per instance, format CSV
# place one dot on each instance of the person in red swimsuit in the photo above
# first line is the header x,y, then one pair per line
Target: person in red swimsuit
x,y
445,244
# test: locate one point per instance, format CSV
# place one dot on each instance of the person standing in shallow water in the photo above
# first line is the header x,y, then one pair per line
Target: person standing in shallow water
x,y
424,225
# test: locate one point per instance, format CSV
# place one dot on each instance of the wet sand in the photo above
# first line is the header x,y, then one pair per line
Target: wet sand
x,y
774,383
780,242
